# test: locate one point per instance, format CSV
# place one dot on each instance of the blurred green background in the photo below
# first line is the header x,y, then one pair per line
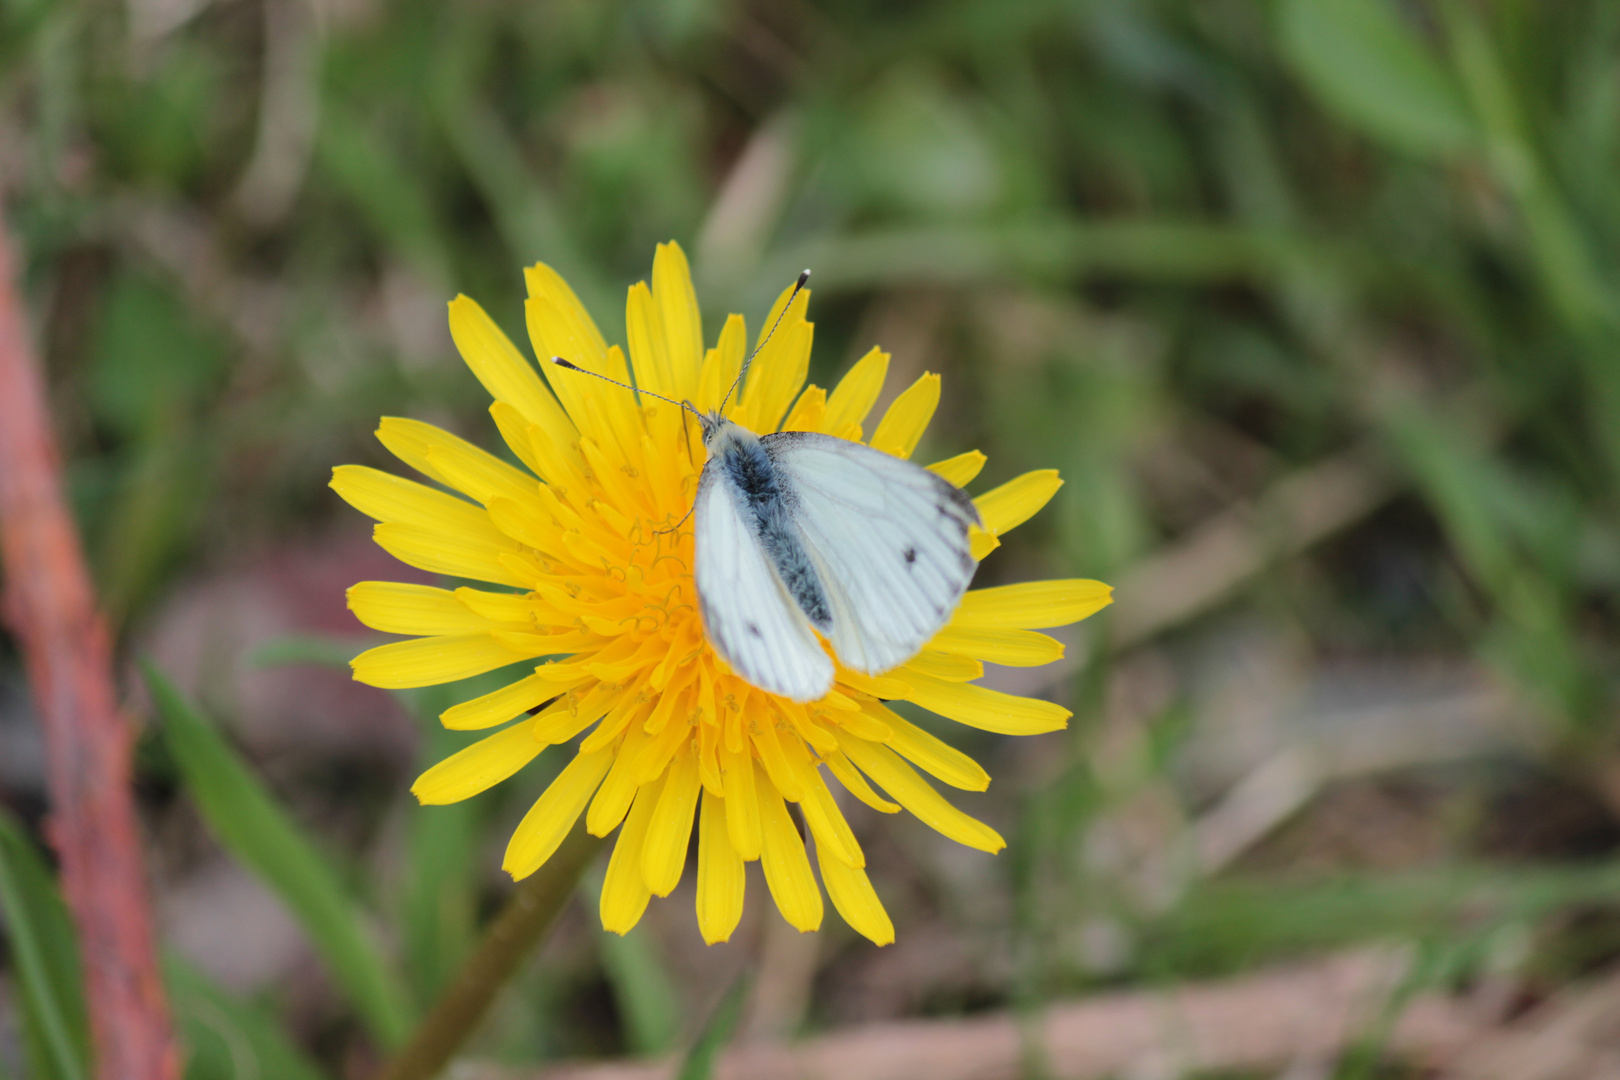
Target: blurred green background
x,y
1313,302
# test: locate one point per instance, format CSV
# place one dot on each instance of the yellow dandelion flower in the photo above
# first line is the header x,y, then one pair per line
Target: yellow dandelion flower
x,y
590,553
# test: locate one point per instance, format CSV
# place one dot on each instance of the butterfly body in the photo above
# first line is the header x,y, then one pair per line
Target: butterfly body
x,y
800,532
768,498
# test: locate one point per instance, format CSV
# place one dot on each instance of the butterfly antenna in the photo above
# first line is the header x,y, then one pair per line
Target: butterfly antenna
x,y
804,277
560,362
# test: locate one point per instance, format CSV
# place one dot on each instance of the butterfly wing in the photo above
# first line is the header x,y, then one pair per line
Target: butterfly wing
x,y
749,616
889,540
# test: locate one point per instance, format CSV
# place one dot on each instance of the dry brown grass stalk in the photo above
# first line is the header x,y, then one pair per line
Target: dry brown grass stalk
x,y
50,607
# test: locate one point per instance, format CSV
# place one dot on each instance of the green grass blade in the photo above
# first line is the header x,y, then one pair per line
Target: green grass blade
x,y
1229,924
228,1039
438,913
248,822
312,650
700,1060
643,990
1370,68
44,957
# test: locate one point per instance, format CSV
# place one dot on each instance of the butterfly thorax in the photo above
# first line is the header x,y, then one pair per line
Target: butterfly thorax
x,y
740,454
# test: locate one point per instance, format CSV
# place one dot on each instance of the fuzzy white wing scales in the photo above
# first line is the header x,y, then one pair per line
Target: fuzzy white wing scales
x,y
889,540
748,614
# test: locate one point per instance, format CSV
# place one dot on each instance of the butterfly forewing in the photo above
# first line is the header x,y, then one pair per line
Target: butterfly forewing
x,y
749,615
888,538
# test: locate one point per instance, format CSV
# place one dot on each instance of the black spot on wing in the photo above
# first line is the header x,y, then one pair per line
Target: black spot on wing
x,y
753,630
910,555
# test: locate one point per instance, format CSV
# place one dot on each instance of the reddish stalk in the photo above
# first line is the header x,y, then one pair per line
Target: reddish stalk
x,y
49,605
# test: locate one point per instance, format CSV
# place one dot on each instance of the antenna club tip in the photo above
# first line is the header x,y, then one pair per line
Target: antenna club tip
x,y
804,276
560,362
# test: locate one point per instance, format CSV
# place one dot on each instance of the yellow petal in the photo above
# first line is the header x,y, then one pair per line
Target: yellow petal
x,y
498,606
852,894
782,363
568,717
499,706
1032,605
942,665
866,725
522,569
912,791
1018,500
903,425
981,543
523,522
631,711
787,867
720,881
644,334
839,701
960,469
482,475
742,805
612,428
556,329
477,768
446,551
479,473
678,311
856,784
664,854
514,428
807,411
856,392
878,686
810,731
613,798
660,751
775,762
544,283
990,710
557,461
554,813
721,365
504,371
430,660
394,499
397,608
826,821
1011,648
624,890
930,754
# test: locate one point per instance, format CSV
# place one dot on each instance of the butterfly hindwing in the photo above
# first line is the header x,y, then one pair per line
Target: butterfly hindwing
x,y
888,538
749,614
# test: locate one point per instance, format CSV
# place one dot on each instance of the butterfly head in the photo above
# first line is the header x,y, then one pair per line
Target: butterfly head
x,y
712,424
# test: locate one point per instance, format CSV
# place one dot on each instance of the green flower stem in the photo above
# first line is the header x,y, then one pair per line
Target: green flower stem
x,y
522,923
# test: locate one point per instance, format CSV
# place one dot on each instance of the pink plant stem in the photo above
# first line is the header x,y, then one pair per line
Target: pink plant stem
x,y
49,606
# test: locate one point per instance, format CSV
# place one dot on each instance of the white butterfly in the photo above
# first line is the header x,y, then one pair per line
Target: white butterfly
x,y
798,532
